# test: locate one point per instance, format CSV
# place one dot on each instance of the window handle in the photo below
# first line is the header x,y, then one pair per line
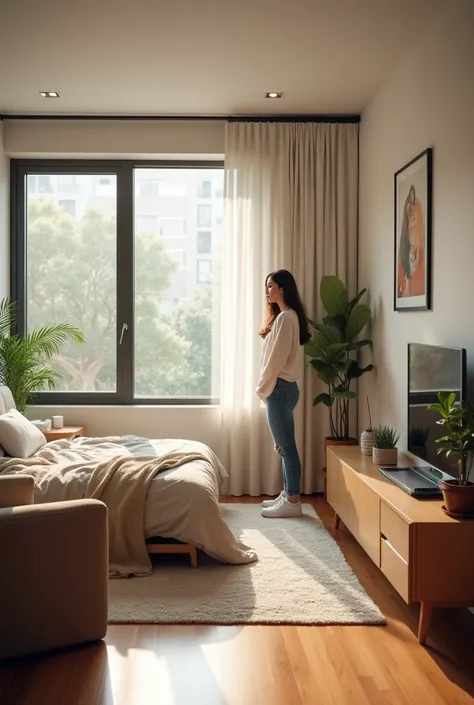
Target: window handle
x,y
124,328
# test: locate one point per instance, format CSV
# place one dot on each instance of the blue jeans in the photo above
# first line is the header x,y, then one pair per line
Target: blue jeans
x,y
280,406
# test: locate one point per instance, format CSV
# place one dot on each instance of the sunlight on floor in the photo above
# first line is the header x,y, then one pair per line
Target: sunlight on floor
x,y
141,674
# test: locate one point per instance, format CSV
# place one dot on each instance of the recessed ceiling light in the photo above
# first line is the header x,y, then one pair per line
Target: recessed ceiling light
x,y
49,94
273,94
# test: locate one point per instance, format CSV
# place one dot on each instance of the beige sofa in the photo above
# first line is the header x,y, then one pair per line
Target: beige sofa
x,y
54,570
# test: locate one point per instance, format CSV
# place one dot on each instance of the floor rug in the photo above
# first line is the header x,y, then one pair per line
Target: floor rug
x,y
301,577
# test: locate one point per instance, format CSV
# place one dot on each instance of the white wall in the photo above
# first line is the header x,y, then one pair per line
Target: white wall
x,y
4,218
127,139
427,102
116,138
199,423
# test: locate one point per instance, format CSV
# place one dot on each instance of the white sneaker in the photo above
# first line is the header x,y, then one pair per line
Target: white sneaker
x,y
271,502
282,509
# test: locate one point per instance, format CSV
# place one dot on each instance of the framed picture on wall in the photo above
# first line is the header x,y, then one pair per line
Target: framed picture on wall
x,y
413,193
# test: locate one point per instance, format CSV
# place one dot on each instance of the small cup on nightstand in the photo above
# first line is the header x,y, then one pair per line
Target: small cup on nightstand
x,y
58,421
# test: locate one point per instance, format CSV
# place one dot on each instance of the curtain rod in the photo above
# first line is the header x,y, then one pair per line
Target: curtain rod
x,y
192,118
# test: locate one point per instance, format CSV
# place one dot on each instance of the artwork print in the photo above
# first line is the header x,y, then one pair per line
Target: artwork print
x,y
413,234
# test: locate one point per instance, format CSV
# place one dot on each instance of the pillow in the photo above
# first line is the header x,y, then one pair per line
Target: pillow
x,y
19,437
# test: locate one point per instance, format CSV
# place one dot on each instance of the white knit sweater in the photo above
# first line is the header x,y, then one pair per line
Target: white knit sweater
x,y
282,354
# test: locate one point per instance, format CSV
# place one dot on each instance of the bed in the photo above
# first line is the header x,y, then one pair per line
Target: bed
x,y
182,511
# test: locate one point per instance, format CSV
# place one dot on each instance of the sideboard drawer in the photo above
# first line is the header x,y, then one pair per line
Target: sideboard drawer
x,y
395,530
395,569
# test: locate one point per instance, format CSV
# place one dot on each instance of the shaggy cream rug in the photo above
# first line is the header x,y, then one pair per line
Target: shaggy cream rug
x,y
301,577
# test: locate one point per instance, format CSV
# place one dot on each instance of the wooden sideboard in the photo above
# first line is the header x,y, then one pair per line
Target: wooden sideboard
x,y
426,555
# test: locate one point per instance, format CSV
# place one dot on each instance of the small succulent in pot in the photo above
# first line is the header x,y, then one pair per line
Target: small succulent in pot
x,y
385,451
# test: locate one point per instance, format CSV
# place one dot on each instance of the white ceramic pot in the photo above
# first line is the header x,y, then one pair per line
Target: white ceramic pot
x,y
366,442
385,456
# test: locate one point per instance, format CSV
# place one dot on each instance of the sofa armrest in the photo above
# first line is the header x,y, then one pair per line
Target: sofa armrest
x,y
54,563
16,490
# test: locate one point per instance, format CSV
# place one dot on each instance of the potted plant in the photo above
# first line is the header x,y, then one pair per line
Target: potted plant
x,y
385,451
367,436
333,354
457,442
24,360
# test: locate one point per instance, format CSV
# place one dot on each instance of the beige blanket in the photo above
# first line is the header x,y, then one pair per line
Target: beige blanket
x,y
122,484
181,502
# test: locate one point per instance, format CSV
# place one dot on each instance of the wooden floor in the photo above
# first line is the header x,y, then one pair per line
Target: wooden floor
x,y
175,665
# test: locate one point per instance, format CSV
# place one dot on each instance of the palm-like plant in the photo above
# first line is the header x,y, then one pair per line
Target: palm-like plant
x,y
24,360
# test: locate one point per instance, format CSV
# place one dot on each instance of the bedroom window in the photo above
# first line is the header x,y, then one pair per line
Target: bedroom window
x,y
120,263
175,343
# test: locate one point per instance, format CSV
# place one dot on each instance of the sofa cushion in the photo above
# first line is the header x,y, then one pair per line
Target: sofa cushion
x,y
18,436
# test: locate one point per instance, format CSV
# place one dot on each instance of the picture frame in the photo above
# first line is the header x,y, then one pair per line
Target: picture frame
x,y
412,234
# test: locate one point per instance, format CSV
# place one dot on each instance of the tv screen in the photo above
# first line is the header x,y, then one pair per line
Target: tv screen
x,y
432,369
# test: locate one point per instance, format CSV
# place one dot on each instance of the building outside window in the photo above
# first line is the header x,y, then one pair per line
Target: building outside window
x,y
68,205
204,267
204,242
204,216
205,189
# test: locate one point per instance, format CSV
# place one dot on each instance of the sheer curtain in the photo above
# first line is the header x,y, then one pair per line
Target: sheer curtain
x,y
291,193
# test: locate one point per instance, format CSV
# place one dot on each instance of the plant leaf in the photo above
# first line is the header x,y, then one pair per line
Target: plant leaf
x,y
356,299
331,334
324,371
358,319
354,371
325,399
359,344
334,295
344,394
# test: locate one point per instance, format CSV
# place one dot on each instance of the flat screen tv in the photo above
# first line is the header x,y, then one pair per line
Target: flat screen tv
x,y
432,368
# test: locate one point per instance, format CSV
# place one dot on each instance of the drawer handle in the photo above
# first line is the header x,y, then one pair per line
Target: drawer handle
x,y
392,547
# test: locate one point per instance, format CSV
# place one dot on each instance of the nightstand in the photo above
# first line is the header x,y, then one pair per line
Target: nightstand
x,y
68,432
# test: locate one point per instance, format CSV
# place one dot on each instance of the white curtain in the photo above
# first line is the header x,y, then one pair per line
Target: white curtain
x,y
290,202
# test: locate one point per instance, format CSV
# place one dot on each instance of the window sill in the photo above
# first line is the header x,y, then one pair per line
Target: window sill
x,y
130,407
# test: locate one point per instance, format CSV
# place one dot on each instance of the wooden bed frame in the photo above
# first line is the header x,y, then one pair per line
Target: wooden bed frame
x,y
159,544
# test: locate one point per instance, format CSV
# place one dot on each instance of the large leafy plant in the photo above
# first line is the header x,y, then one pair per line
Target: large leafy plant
x,y
457,442
333,351
24,360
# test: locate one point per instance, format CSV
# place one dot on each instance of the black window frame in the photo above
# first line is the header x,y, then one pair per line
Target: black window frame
x,y
123,170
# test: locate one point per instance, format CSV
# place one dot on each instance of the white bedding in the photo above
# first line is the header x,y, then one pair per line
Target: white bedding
x,y
182,503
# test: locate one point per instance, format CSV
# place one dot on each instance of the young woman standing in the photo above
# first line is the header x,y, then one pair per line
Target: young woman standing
x,y
284,332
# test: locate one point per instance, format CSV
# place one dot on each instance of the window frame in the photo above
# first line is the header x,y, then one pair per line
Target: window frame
x,y
123,170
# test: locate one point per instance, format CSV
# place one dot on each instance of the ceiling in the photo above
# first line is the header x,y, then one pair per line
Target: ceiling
x,y
202,57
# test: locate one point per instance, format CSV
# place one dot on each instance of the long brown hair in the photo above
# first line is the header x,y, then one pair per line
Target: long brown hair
x,y
286,281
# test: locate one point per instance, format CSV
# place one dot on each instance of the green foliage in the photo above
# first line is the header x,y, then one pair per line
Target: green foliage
x,y
72,276
385,437
193,322
24,361
458,427
334,348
